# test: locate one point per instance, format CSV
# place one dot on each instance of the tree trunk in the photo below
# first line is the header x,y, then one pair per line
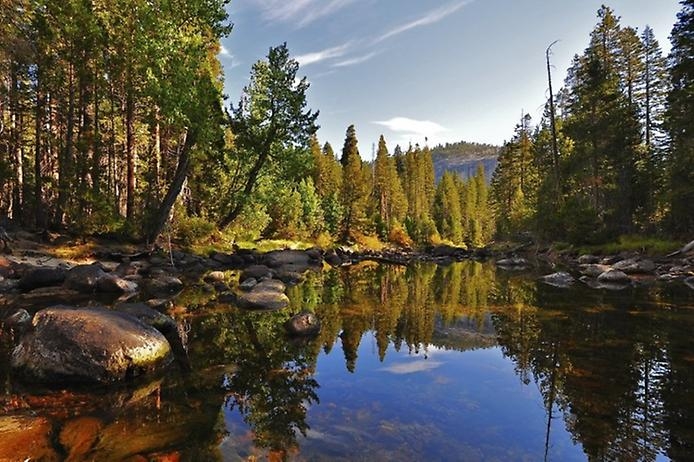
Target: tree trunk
x,y
129,152
39,215
162,215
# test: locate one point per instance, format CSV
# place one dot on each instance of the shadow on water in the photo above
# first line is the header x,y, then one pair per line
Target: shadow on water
x,y
417,362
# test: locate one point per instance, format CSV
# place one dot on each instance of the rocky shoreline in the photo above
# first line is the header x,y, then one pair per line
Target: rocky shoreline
x,y
64,344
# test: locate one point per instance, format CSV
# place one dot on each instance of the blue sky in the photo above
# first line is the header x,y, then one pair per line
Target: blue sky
x,y
448,70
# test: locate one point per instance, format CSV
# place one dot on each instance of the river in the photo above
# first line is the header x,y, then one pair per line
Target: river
x,y
458,362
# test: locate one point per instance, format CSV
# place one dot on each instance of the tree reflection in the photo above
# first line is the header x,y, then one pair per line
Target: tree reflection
x,y
614,365
273,384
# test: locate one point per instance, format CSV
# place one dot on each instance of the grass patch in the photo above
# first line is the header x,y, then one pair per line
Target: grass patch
x,y
644,244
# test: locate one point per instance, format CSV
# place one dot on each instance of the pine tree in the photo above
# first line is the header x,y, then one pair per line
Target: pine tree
x,y
391,205
354,191
447,209
680,122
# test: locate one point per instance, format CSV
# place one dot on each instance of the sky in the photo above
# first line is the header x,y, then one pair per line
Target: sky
x,y
416,70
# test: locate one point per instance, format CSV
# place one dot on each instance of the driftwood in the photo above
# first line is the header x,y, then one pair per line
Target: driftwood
x,y
687,248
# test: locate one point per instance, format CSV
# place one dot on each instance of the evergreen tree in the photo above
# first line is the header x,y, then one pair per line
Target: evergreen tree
x,y
680,122
391,205
447,209
354,191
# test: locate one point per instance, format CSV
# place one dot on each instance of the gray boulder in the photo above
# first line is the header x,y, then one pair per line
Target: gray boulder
x,y
560,279
587,259
303,324
266,295
256,271
278,258
248,284
593,270
162,285
84,278
111,283
71,345
614,276
635,266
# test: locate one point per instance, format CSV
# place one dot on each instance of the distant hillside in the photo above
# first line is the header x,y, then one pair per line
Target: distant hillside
x,y
464,157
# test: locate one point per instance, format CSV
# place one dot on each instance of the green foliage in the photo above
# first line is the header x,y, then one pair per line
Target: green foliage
x,y
191,230
355,187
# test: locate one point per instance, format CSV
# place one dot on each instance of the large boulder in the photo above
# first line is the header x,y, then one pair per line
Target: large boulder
x,y
84,278
110,283
96,345
588,259
42,277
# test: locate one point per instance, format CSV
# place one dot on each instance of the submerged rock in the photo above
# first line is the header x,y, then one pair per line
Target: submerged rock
x,y
303,324
30,437
560,279
162,285
71,345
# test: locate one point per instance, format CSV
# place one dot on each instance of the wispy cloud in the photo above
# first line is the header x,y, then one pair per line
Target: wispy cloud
x,y
298,12
429,18
224,51
322,55
420,365
355,60
414,127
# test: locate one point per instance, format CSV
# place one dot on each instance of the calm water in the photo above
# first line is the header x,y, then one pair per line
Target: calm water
x,y
461,362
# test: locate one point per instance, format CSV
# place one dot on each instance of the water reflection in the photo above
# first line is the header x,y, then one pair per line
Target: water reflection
x,y
411,363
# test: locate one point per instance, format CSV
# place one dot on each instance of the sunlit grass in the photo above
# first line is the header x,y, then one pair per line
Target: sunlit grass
x,y
644,244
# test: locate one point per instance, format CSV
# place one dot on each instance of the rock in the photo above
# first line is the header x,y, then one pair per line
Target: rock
x,y
163,323
291,278
6,267
111,283
8,285
593,270
560,279
42,277
266,295
333,259
314,254
515,262
84,278
227,259
248,284
303,324
256,271
689,282
52,295
215,276
126,269
16,321
30,437
71,345
156,260
634,266
270,285
78,437
163,285
587,259
278,258
613,276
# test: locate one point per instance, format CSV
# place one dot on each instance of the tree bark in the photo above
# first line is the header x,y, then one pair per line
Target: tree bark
x,y
182,168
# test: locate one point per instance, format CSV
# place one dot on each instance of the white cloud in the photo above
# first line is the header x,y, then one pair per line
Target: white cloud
x,y
224,51
416,128
430,18
299,12
317,56
355,60
419,365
